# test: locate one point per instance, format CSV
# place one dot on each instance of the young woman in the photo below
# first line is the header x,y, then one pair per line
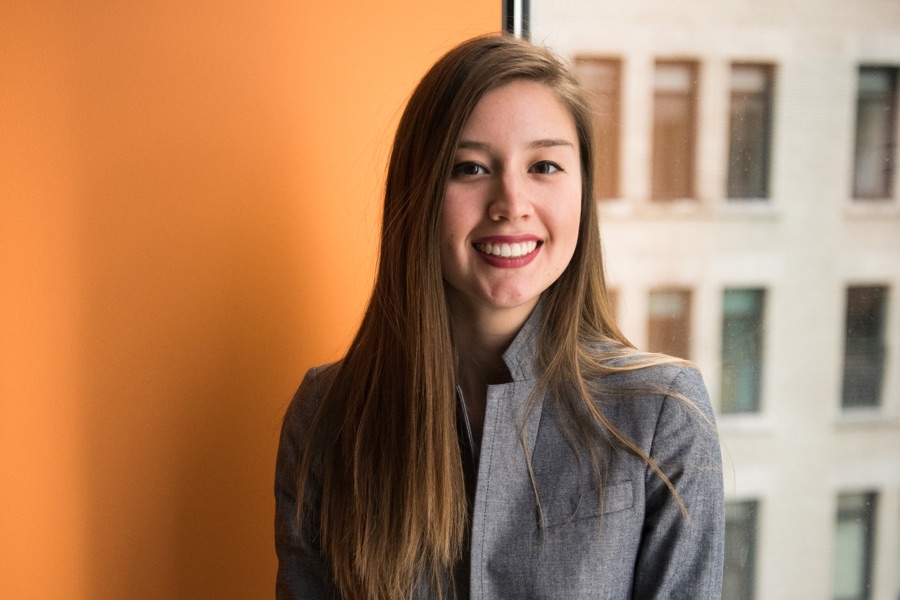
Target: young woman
x,y
490,432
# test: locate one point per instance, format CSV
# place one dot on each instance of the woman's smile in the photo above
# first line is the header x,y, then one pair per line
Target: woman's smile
x,y
508,252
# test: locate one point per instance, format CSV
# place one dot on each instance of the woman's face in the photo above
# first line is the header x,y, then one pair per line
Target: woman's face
x,y
509,223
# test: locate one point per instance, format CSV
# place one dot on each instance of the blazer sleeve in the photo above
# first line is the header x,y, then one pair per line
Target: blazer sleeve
x,y
683,557
302,573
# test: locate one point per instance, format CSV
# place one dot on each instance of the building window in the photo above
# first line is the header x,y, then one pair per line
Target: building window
x,y
674,125
876,117
670,323
750,130
602,80
740,550
864,347
853,544
742,341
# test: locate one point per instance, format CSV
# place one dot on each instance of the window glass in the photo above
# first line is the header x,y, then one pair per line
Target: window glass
x,y
674,102
742,333
740,550
876,116
601,77
864,347
669,323
751,107
853,546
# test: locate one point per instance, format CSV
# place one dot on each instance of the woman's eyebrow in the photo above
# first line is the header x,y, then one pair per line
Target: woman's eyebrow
x,y
550,143
473,145
543,143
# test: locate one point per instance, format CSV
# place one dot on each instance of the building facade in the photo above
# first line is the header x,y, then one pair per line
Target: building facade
x,y
751,223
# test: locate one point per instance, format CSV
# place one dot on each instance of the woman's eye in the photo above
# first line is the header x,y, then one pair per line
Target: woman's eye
x,y
545,167
469,169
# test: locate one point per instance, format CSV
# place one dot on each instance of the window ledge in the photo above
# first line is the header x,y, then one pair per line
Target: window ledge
x,y
745,423
682,207
865,416
619,207
869,209
748,207
744,208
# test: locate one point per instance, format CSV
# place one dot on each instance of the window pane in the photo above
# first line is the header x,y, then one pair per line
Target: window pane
x,y
675,86
864,347
740,550
853,546
601,78
742,336
876,108
751,107
669,324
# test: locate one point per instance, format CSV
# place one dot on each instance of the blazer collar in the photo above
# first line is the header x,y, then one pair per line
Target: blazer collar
x,y
521,357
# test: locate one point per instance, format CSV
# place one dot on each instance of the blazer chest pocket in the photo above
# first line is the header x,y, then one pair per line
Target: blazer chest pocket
x,y
561,510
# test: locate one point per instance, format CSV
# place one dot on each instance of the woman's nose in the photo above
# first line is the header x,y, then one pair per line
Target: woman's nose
x,y
509,199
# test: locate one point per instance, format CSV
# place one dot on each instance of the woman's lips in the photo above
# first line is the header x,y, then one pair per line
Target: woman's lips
x,y
508,252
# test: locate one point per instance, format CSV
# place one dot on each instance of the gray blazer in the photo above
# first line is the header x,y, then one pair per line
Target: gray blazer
x,y
635,544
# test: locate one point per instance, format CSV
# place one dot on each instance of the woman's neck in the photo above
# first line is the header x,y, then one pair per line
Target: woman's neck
x,y
481,337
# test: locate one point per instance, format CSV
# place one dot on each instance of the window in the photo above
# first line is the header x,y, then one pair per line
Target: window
x,y
740,550
601,78
670,324
864,346
674,117
750,131
853,543
742,340
876,116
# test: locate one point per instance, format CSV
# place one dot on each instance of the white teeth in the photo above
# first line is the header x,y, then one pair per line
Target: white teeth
x,y
508,250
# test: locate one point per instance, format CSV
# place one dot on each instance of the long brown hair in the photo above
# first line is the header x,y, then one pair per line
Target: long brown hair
x,y
393,501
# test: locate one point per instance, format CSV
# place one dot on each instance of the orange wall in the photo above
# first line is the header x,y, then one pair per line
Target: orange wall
x,y
188,216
